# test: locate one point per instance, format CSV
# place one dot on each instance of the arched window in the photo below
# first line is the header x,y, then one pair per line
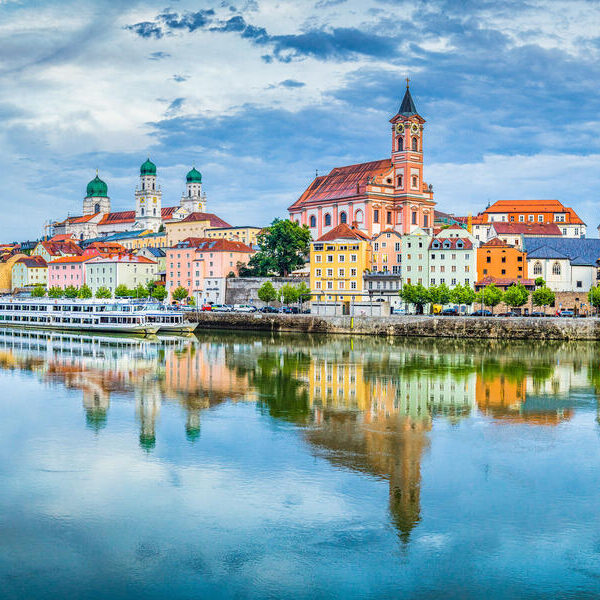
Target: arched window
x,y
313,221
358,216
142,212
327,220
400,144
415,181
556,269
97,207
343,218
415,144
537,268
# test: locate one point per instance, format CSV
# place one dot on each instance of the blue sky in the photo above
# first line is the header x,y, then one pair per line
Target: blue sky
x,y
259,94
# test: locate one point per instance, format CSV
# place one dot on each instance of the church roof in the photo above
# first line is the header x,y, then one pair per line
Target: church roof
x,y
342,182
128,216
580,251
407,108
148,168
96,188
194,176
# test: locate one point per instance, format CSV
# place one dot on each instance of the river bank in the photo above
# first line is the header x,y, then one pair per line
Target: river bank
x,y
409,326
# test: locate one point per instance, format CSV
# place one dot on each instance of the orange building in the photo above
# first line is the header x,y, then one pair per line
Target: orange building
x,y
500,260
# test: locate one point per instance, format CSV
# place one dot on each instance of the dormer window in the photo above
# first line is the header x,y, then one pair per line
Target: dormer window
x,y
446,244
459,244
435,245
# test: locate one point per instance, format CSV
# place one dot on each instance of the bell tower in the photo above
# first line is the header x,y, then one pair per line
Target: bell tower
x,y
411,192
148,199
194,199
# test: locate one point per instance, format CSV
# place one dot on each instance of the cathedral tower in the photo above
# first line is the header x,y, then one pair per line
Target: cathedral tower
x,y
96,199
148,199
194,200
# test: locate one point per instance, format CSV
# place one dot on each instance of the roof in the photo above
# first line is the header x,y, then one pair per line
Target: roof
x,y
123,258
539,206
81,219
33,262
526,228
210,217
496,243
343,182
407,108
61,237
580,251
451,243
63,247
504,281
221,245
128,216
547,252
158,252
343,232
72,259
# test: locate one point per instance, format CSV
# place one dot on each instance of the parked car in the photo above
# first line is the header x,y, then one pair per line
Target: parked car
x,y
206,307
248,308
269,309
290,310
221,308
567,313
306,311
482,313
449,312
537,313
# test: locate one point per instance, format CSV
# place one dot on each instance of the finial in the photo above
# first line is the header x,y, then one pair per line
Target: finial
x,y
316,172
407,82
96,171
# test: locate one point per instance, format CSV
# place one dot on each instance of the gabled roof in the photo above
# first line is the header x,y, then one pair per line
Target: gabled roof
x,y
158,252
526,229
213,220
547,252
60,248
222,245
33,262
496,243
72,259
343,232
451,243
343,182
580,251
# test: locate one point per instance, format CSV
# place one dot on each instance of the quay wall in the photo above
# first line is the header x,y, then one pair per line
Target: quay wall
x,y
522,328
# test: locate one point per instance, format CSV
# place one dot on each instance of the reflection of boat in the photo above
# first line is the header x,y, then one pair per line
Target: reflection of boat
x,y
75,315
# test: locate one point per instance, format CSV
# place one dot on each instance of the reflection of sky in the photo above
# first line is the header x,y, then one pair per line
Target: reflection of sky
x,y
251,509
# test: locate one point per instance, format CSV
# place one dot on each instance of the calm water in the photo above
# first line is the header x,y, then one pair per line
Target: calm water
x,y
251,466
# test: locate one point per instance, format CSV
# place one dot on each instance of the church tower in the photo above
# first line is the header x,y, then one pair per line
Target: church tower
x,y
412,195
96,198
148,199
194,200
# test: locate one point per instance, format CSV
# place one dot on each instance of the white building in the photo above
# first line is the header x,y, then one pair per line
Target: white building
x,y
122,269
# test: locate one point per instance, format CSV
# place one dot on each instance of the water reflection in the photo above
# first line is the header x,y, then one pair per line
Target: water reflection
x,y
367,405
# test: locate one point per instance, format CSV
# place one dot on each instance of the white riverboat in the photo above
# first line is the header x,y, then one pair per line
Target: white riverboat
x,y
168,319
75,315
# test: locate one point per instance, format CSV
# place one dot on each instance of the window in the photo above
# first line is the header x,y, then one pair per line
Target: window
x,y
414,218
556,268
330,258
415,144
327,220
564,231
521,218
358,216
537,268
341,258
425,220
415,181
318,273
330,285
352,272
399,181
579,284
540,218
343,217
512,218
376,246
397,247
400,145
329,272
313,221
375,216
341,273
389,217
353,285
530,218
353,258
341,285
318,258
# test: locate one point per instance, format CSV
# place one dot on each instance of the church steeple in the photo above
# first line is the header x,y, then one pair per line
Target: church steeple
x,y
407,108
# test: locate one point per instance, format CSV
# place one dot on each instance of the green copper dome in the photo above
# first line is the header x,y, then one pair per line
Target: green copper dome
x,y
148,168
96,188
194,176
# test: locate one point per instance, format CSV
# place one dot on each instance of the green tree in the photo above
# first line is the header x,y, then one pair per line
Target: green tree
x,y
141,291
462,294
179,294
543,296
150,287
55,292
440,294
594,297
122,291
288,294
71,291
284,246
160,293
191,301
418,295
303,292
490,296
267,292
103,292
539,282
39,291
85,292
516,295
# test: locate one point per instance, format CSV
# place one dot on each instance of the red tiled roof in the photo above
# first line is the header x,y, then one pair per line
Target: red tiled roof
x,y
64,247
466,243
342,232
33,261
496,243
222,245
124,216
538,206
61,237
72,259
123,258
213,220
343,182
526,228
167,212
504,281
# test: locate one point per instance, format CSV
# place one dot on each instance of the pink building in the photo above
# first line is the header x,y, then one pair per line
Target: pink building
x,y
375,196
68,270
387,252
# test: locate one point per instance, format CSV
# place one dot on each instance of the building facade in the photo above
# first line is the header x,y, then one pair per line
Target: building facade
x,y
192,226
68,271
387,252
29,271
124,269
499,259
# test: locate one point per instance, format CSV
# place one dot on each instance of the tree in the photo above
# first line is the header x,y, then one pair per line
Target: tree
x,y
439,294
539,282
516,295
179,294
160,293
103,292
267,292
71,291
593,296
462,294
192,301
490,296
303,292
122,291
39,291
55,292
150,287
415,294
288,294
85,292
543,296
284,247
141,291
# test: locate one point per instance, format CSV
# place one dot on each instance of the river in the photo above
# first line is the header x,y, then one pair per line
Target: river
x,y
258,466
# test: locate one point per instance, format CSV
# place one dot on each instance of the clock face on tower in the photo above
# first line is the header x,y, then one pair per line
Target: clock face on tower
x,y
414,128
399,127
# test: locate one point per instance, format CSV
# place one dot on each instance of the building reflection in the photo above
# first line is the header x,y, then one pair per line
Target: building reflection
x,y
362,404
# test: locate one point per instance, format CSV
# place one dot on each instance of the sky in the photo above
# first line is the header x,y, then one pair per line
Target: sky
x,y
261,94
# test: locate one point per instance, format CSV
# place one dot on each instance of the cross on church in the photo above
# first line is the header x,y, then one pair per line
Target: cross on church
x,y
407,82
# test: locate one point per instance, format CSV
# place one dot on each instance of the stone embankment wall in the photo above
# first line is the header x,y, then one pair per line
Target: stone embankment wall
x,y
412,326
244,290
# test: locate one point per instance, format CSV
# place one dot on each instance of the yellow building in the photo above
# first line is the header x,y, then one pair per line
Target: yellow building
x,y
6,268
145,239
193,226
246,235
338,260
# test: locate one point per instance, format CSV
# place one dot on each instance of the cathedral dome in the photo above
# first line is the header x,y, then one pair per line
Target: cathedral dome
x,y
148,168
194,176
96,188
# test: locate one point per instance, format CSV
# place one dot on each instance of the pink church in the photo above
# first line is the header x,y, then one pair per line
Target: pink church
x,y
374,196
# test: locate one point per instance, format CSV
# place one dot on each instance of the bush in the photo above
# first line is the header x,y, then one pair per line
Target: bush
x,y
103,292
39,291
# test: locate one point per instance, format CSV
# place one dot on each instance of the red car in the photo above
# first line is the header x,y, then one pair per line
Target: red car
x,y
206,307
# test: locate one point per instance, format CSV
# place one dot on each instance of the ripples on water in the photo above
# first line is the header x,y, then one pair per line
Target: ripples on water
x,y
251,466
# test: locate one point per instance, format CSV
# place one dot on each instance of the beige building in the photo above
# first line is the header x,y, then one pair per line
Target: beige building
x,y
246,234
112,271
193,226
6,268
29,271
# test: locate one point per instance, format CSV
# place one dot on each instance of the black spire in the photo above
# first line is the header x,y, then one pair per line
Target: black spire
x,y
407,108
